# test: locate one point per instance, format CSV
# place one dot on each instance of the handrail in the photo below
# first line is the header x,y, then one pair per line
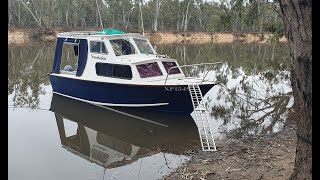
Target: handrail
x,y
77,33
173,67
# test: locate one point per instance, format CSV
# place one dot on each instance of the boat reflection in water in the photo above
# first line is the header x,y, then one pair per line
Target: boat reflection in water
x,y
116,137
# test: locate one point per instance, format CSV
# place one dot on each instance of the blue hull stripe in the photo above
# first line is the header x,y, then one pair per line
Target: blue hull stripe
x,y
177,97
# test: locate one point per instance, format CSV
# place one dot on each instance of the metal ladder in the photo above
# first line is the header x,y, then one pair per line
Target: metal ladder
x,y
201,119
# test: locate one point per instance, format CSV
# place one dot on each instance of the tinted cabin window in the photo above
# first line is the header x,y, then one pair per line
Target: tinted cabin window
x,y
149,70
122,47
168,65
114,70
98,47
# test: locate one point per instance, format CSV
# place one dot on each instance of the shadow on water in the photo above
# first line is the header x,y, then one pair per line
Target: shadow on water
x,y
111,139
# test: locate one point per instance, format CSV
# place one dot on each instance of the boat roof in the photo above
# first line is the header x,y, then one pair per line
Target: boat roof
x,y
107,33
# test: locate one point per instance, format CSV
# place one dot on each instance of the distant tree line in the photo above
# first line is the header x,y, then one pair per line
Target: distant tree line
x,y
151,15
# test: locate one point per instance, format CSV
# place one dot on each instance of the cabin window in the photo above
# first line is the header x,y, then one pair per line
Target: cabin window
x,y
114,70
168,65
149,70
69,60
122,47
98,47
144,46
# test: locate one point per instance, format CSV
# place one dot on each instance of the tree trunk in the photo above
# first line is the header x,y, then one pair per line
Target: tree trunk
x,y
97,19
178,19
261,18
155,24
67,18
113,19
34,16
297,16
9,13
19,12
123,17
186,19
199,15
142,27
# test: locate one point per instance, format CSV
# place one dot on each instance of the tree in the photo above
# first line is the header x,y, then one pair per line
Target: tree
x,y
297,16
142,27
35,16
186,17
156,15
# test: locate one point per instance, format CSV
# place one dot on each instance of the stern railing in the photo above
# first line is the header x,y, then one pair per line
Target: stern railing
x,y
189,65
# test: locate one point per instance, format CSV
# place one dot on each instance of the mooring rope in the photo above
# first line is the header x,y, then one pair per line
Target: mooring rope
x,y
38,78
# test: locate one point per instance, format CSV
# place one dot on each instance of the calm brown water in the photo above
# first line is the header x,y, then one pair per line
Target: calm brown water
x,y
52,137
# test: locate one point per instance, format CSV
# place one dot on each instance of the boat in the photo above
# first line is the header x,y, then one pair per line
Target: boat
x,y
118,69
102,138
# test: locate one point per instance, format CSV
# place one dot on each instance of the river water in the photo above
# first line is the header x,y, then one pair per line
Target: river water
x,y
52,137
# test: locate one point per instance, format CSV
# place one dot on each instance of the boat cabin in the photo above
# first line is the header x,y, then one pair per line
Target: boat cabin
x,y
112,56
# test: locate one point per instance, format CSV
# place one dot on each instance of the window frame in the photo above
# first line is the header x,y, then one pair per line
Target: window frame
x,y
112,71
61,70
147,41
132,44
103,53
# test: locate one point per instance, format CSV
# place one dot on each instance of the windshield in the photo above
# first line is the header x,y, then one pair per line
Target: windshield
x,y
122,47
143,46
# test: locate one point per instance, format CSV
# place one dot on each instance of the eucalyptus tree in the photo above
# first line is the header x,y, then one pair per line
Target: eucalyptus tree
x,y
157,15
252,14
169,15
141,16
297,17
198,4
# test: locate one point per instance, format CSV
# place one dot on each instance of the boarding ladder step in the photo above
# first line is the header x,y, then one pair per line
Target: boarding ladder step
x,y
201,118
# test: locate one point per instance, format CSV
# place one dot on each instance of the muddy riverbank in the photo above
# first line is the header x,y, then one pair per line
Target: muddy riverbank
x,y
24,36
267,157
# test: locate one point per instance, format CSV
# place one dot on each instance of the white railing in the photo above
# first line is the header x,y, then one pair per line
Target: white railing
x,y
77,33
201,64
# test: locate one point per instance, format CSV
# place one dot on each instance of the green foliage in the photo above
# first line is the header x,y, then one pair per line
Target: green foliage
x,y
174,15
252,14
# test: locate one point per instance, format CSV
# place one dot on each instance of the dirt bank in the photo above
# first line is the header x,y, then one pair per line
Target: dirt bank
x,y
267,157
18,37
22,36
204,37
27,36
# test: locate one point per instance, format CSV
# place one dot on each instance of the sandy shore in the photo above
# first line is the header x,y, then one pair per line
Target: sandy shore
x,y
267,157
23,36
204,37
